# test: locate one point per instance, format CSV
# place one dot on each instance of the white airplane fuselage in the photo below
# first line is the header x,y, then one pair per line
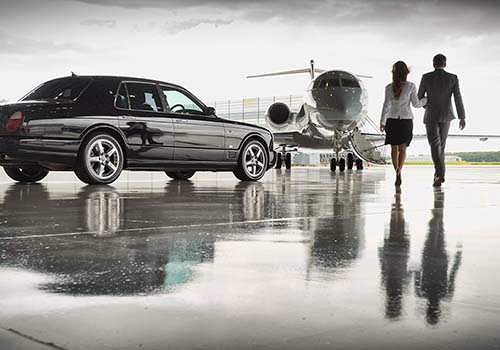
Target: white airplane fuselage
x,y
335,101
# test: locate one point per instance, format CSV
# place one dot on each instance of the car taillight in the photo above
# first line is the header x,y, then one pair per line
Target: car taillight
x,y
15,122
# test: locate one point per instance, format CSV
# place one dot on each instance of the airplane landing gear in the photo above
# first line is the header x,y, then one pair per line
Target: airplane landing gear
x,y
333,164
342,164
288,161
350,161
279,161
359,164
284,156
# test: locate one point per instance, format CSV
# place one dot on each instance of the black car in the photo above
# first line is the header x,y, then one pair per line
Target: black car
x,y
97,126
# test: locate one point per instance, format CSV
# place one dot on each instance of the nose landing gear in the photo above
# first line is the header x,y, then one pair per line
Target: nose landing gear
x,y
349,161
284,156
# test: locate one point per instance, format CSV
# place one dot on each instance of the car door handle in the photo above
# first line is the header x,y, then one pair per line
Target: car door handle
x,y
127,117
182,121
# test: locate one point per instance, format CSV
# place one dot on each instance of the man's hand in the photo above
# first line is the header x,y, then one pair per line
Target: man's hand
x,y
462,124
382,127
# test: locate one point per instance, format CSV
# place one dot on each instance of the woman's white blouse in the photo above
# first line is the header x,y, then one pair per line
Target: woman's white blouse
x,y
400,109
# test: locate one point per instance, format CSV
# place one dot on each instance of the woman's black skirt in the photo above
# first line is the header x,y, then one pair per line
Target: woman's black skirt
x,y
398,131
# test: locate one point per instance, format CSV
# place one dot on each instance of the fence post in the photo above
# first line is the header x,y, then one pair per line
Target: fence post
x,y
258,110
229,108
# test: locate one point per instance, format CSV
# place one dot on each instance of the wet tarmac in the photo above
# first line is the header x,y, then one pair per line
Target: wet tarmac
x,y
300,260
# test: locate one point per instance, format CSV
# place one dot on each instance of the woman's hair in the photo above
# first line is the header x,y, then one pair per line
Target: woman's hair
x,y
399,73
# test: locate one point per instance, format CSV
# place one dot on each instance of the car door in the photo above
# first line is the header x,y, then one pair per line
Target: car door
x,y
148,128
198,137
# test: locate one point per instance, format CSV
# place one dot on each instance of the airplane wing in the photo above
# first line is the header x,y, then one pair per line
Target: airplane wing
x,y
286,137
481,138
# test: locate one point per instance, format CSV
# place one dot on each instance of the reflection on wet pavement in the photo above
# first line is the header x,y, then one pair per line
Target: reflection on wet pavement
x,y
300,260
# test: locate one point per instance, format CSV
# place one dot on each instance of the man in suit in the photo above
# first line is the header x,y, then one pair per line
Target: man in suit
x,y
439,86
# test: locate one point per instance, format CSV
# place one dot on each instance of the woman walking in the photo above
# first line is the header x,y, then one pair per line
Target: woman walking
x,y
397,117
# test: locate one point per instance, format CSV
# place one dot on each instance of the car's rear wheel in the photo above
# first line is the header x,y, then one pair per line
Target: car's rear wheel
x,y
100,160
31,173
252,164
181,174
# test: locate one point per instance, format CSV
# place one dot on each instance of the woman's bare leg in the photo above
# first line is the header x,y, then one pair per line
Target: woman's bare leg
x,y
395,156
401,157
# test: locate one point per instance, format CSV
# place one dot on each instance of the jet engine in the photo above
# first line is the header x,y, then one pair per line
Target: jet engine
x,y
280,118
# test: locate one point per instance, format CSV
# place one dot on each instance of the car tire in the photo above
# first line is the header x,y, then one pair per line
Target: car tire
x,y
100,160
252,162
24,174
181,174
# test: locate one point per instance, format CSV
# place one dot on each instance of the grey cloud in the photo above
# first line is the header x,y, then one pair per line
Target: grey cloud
x,y
99,23
174,27
10,44
455,15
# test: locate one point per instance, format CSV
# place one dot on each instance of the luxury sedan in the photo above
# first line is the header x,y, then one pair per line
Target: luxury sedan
x,y
98,126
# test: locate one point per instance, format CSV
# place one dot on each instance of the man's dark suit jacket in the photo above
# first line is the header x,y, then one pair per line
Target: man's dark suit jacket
x,y
439,86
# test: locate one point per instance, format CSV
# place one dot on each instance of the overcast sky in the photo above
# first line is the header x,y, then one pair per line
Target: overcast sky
x,y
209,46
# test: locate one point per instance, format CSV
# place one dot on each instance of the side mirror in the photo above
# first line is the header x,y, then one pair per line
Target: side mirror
x,y
210,111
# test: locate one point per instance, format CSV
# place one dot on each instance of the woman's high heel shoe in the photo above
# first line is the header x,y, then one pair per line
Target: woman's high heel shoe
x,y
398,180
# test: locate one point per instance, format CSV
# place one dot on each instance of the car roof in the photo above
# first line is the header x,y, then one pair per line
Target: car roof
x,y
120,78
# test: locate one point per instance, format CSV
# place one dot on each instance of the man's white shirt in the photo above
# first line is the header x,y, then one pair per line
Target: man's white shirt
x,y
400,108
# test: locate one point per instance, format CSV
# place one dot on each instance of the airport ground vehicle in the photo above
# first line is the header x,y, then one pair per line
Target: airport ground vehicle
x,y
98,126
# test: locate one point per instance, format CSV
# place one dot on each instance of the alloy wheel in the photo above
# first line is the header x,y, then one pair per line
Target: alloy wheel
x,y
103,159
254,160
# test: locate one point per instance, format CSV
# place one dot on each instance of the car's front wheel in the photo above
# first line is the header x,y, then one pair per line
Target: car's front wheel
x,y
100,160
31,173
253,163
180,175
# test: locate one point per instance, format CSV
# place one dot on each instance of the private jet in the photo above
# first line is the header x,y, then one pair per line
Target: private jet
x,y
333,116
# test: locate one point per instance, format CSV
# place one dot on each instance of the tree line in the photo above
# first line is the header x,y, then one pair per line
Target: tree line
x,y
478,156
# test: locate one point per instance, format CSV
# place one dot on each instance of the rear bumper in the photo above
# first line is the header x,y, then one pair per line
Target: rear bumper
x,y
17,151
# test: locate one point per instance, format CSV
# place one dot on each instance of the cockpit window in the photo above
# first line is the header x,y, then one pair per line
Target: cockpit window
x,y
349,83
326,83
64,89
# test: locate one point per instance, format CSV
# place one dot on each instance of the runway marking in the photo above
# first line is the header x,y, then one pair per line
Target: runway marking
x,y
84,233
29,337
297,218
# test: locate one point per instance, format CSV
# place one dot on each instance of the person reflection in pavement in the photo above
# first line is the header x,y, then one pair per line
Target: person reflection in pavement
x,y
394,257
433,281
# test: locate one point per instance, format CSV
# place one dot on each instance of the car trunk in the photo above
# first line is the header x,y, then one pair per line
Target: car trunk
x,y
14,116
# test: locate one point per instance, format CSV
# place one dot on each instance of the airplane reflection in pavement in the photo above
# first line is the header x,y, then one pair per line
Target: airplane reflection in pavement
x,y
432,281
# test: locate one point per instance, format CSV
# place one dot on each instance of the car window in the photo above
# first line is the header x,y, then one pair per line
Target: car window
x,y
179,102
121,98
64,89
144,97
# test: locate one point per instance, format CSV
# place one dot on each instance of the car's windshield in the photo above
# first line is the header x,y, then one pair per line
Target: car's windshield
x,y
67,89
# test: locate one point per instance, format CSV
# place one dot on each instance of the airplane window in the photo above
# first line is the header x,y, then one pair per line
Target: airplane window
x,y
349,83
178,102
